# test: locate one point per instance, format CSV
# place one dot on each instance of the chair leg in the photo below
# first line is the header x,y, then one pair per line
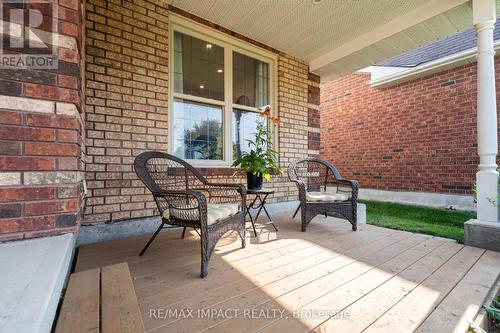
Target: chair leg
x,y
306,219
207,247
183,232
152,238
354,213
242,233
294,214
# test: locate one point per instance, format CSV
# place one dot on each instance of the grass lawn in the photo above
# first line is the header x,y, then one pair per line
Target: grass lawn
x,y
432,221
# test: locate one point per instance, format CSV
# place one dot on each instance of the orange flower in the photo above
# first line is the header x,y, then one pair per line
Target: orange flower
x,y
275,121
265,112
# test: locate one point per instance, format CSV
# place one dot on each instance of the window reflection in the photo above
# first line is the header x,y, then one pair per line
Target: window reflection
x,y
198,67
197,130
245,127
250,81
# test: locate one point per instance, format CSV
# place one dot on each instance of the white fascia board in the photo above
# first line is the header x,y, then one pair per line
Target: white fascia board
x,y
378,72
439,65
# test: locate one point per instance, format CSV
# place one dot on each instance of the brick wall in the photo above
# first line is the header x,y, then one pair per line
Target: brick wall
x,y
127,105
41,129
126,88
417,136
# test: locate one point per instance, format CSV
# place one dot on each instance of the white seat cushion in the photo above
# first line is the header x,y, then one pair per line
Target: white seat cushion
x,y
326,196
215,212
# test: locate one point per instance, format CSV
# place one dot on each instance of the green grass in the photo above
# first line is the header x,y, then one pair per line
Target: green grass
x,y
431,221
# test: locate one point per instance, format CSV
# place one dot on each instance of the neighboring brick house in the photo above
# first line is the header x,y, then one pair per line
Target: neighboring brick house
x,y
409,123
54,143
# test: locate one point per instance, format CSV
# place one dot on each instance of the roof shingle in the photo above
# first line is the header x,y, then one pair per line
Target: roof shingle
x,y
459,42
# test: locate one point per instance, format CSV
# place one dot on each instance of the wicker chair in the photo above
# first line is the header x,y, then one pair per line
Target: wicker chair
x,y
186,199
323,191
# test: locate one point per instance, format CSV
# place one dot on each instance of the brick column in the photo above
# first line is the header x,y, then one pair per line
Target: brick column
x,y
313,115
41,124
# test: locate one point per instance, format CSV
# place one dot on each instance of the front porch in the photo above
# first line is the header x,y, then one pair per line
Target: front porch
x,y
190,77
328,279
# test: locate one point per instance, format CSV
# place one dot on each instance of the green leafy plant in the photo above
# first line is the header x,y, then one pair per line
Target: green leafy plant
x,y
262,158
493,311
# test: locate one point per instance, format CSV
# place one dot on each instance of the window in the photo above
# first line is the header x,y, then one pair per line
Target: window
x,y
197,130
218,84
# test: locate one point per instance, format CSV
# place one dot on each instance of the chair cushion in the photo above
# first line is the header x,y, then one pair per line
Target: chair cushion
x,y
326,196
215,212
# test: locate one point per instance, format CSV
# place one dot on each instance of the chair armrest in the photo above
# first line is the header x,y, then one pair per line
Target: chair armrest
x,y
353,184
166,199
302,189
196,194
225,193
240,188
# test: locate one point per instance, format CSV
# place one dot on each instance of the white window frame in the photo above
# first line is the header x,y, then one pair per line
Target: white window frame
x,y
230,44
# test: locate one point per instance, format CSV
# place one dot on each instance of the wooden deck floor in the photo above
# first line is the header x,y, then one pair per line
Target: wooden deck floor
x,y
328,279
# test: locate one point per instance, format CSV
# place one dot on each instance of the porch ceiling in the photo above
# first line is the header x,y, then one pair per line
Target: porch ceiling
x,y
337,37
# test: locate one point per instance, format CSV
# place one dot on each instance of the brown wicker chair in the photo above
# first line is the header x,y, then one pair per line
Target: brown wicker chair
x,y
323,191
186,199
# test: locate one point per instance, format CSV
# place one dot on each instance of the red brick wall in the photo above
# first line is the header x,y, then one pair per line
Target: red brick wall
x,y
41,142
417,136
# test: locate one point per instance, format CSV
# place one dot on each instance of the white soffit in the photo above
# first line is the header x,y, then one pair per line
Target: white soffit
x,y
337,37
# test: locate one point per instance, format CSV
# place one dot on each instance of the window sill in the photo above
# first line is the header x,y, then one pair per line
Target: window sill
x,y
219,171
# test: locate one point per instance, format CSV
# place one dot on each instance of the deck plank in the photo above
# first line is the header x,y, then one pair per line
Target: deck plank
x,y
80,310
119,310
463,303
250,278
107,253
170,297
227,273
353,290
366,310
394,280
293,292
404,316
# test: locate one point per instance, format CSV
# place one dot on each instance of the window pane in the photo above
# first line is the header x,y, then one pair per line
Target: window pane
x,y
197,130
245,127
198,67
250,81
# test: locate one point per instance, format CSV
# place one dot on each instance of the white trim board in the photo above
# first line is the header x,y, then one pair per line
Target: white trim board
x,y
429,199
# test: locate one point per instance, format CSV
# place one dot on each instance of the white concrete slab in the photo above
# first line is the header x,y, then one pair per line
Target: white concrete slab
x,y
436,200
33,273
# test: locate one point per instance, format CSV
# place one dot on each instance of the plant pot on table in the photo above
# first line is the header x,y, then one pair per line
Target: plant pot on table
x,y
254,182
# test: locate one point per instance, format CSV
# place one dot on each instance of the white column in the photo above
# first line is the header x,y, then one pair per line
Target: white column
x,y
484,17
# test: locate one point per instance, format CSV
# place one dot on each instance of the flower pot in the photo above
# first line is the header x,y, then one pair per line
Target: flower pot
x,y
254,182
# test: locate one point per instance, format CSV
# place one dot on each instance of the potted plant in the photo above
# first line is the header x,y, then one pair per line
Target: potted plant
x,y
261,161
